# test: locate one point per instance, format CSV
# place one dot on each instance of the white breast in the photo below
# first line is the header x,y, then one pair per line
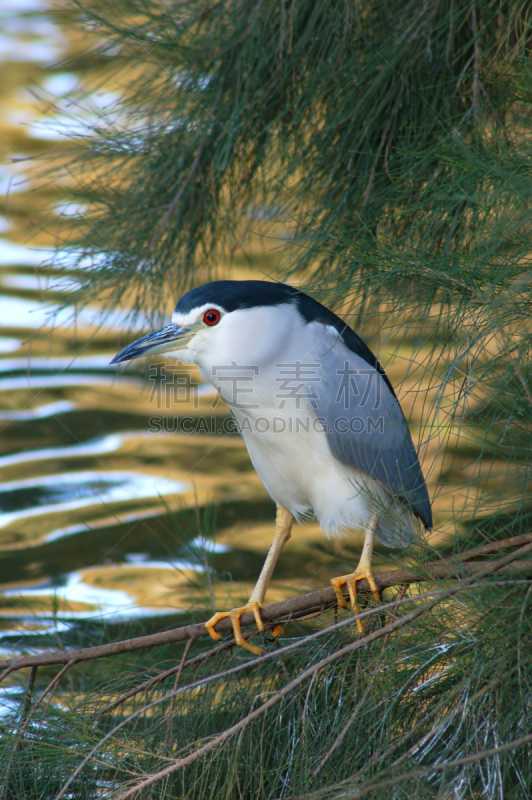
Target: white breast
x,y
290,453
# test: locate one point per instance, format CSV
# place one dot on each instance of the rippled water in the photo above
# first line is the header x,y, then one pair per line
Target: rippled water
x,y
100,496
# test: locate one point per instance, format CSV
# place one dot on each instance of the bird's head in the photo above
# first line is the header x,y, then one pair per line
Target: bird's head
x,y
223,322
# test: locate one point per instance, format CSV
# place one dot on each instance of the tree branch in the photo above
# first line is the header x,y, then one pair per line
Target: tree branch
x,y
173,205
295,608
481,570
273,700
166,673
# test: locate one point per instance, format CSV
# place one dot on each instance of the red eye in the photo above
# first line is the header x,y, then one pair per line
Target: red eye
x,y
211,317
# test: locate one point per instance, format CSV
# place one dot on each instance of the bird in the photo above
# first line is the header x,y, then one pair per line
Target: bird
x,y
320,419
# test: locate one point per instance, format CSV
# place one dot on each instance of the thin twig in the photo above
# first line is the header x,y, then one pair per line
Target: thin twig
x,y
234,670
282,22
410,733
456,219
53,683
476,78
205,12
272,701
514,364
291,26
496,117
26,717
339,739
367,193
390,140
29,693
307,698
288,648
174,691
177,198
472,292
303,676
11,668
462,73
449,45
251,25
166,674
282,661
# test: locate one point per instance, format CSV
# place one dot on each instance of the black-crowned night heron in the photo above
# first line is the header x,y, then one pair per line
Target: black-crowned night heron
x,y
319,417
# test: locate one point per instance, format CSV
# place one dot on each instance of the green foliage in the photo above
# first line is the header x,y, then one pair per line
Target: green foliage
x,y
379,718
391,133
393,139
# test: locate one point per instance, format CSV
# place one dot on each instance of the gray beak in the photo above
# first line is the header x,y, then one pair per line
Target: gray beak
x,y
171,337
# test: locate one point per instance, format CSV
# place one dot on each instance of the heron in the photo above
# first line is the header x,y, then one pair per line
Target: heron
x,y
320,419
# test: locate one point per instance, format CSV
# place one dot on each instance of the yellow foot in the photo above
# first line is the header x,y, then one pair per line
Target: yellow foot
x,y
351,582
235,614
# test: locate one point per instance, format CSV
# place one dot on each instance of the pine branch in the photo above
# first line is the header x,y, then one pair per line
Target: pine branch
x,y
480,571
425,772
274,700
26,718
148,684
295,608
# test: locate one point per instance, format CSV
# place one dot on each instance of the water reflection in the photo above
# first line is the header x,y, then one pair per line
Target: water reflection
x,y
38,283
69,378
27,35
98,601
7,344
35,496
79,471
106,444
49,410
18,312
77,118
39,364
12,253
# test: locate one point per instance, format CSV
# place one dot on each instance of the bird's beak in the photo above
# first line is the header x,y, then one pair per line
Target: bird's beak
x,y
171,337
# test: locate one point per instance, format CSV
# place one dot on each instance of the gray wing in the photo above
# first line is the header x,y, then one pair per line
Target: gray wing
x,y
365,426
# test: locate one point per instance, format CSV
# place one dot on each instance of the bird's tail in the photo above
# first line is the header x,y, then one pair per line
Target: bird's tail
x,y
395,527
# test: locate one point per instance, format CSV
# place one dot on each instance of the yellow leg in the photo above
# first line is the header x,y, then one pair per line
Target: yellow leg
x,y
283,531
362,571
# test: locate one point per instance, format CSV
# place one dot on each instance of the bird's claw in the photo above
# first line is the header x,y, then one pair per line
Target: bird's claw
x,y
235,614
351,581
